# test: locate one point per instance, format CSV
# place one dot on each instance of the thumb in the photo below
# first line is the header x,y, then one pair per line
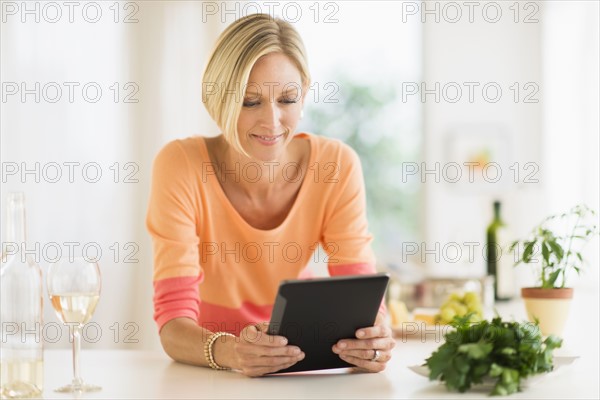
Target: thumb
x,y
262,326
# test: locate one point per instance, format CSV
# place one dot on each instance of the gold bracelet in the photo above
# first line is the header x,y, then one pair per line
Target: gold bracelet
x,y
208,350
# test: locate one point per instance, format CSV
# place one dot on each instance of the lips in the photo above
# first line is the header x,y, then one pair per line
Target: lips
x,y
267,140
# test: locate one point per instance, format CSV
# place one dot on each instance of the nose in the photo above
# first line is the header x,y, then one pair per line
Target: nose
x,y
271,116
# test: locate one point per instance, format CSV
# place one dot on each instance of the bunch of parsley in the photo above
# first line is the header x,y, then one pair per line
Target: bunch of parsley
x,y
504,351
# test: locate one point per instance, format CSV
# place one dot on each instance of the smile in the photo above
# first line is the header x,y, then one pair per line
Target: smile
x,y
268,140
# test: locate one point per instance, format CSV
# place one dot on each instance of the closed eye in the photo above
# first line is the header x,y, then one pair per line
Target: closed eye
x,y
250,104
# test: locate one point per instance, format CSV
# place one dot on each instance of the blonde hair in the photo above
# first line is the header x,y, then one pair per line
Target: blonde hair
x,y
236,51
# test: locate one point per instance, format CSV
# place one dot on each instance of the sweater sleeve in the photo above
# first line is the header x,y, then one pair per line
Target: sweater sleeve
x,y
346,237
171,221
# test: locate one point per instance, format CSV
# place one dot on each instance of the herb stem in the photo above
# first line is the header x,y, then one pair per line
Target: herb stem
x,y
567,256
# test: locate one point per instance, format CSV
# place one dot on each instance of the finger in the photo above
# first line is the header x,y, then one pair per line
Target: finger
x,y
374,331
261,371
384,356
266,351
370,344
371,366
270,362
262,326
291,351
284,366
256,334
380,320
262,366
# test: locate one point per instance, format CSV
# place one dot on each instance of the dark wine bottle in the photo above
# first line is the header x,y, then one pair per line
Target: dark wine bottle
x,y
498,258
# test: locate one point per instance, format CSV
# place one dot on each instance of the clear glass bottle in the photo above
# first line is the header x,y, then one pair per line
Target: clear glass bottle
x,y
21,300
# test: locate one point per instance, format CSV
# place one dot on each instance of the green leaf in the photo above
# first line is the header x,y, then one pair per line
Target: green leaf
x,y
508,351
510,376
557,249
528,251
461,364
553,342
476,351
439,361
495,370
480,371
553,277
461,322
546,252
500,390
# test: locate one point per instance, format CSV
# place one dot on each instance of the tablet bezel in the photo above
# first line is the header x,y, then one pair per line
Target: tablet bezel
x,y
332,312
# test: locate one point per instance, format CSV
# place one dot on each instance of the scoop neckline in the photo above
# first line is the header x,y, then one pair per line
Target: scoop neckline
x,y
221,193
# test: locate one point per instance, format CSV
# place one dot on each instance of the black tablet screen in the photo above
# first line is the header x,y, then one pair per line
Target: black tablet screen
x,y
314,314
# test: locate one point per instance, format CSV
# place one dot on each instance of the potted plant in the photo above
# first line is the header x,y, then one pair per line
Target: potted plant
x,y
553,250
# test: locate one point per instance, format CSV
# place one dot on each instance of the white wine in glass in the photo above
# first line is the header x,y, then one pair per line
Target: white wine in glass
x,y
74,288
75,307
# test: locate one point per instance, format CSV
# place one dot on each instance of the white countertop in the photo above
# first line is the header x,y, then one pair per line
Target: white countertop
x,y
151,374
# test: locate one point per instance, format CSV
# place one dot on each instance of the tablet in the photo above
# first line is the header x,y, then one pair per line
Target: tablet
x,y
314,314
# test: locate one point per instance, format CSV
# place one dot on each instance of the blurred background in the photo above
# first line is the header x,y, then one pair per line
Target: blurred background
x,y
429,94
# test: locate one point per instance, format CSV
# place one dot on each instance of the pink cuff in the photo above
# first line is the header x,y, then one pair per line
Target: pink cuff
x,y
175,298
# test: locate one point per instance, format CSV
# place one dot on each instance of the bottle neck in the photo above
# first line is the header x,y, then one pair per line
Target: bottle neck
x,y
15,221
497,211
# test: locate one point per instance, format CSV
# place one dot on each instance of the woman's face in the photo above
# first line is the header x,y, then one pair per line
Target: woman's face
x,y
273,101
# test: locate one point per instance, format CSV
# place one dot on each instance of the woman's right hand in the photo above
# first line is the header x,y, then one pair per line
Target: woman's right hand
x,y
257,353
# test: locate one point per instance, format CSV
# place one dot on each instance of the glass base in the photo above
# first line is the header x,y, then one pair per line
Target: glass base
x,y
82,388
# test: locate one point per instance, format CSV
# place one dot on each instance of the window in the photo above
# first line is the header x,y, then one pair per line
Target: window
x,y
360,56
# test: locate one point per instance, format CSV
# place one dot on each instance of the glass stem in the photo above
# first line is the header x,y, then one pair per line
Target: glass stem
x,y
77,381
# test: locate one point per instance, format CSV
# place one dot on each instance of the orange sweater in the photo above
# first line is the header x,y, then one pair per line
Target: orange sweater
x,y
210,265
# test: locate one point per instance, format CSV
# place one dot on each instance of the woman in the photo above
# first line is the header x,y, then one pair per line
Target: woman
x,y
232,216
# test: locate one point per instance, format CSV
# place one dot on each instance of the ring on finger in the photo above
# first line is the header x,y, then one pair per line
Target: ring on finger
x,y
376,355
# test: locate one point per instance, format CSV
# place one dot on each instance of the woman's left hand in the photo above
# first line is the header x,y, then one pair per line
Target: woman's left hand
x,y
372,348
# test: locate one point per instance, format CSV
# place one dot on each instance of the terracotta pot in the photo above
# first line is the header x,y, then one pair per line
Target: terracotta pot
x,y
549,306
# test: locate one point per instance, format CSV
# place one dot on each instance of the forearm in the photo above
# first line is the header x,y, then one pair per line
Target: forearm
x,y
183,340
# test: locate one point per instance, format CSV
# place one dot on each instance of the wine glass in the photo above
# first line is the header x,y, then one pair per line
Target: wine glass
x,y
74,288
